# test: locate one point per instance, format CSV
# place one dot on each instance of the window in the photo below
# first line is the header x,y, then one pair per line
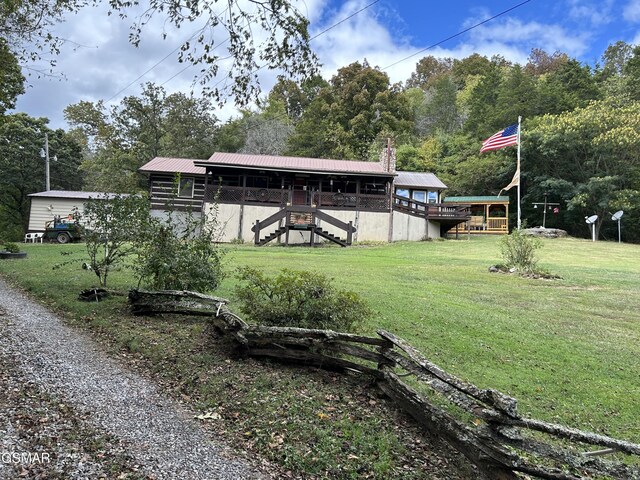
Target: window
x,y
257,182
402,192
420,196
433,197
185,189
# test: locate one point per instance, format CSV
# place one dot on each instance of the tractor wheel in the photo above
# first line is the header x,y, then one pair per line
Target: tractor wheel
x,y
63,237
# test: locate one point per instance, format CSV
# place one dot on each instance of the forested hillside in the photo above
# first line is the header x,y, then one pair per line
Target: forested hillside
x,y
580,130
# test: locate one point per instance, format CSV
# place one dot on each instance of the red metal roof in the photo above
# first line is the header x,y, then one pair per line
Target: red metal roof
x,y
296,164
173,165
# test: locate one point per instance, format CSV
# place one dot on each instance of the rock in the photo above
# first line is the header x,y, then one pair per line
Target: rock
x,y
545,232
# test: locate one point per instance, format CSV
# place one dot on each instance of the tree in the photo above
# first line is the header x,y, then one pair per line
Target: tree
x,y
348,116
540,62
296,97
110,224
261,34
614,59
11,79
190,127
140,128
266,136
429,70
179,251
26,25
471,66
440,113
21,140
597,150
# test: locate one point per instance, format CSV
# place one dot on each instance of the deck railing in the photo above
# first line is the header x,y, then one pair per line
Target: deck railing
x,y
480,225
282,196
431,211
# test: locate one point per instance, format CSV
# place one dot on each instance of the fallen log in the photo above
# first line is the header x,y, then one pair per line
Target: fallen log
x,y
143,302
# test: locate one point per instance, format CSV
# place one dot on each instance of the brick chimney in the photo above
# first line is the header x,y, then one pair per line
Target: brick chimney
x,y
388,158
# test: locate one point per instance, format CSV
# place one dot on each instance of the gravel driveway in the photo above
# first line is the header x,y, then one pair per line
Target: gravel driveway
x,y
72,412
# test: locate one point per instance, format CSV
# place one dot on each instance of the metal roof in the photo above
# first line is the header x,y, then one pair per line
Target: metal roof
x,y
70,194
419,180
172,165
478,199
295,164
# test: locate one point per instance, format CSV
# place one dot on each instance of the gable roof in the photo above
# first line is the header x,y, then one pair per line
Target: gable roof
x,y
418,180
172,165
294,164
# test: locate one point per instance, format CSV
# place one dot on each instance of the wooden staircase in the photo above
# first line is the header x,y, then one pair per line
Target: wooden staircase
x,y
302,219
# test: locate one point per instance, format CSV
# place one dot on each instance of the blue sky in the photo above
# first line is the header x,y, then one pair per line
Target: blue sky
x,y
383,33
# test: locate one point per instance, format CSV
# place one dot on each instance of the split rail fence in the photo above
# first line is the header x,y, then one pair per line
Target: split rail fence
x,y
483,424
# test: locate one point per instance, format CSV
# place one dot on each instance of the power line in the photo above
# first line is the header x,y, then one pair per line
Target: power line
x,y
315,36
343,20
155,65
192,64
456,35
167,56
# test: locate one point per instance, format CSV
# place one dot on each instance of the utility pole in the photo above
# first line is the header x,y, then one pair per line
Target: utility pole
x,y
46,162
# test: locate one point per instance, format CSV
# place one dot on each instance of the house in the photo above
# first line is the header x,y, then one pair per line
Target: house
x,y
177,179
489,214
57,203
260,198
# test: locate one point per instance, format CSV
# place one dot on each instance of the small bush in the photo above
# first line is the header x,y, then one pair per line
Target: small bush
x,y
299,299
11,247
519,251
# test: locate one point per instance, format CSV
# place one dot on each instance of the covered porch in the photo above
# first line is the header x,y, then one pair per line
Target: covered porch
x,y
488,215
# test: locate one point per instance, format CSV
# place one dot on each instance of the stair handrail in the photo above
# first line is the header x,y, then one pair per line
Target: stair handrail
x,y
347,227
279,215
259,225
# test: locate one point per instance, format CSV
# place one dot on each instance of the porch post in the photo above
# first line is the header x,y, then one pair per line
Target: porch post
x,y
257,233
244,187
486,216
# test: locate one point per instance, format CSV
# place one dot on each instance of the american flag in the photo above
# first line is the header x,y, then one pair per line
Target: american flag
x,y
504,138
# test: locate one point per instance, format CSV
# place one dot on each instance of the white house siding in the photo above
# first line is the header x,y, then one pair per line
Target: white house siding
x,y
229,220
411,228
371,226
43,209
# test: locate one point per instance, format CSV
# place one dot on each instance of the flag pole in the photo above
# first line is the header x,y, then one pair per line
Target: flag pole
x,y
518,169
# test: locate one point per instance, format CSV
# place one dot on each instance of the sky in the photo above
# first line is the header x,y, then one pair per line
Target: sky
x,y
98,63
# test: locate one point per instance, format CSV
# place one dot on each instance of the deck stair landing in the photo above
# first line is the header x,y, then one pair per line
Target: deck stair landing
x,y
302,219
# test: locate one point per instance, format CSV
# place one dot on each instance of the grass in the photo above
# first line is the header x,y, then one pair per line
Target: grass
x,y
567,349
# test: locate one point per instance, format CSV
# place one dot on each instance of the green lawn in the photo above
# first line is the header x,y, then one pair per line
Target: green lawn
x,y
567,349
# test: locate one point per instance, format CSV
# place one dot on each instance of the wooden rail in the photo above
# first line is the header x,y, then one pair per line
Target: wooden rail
x,y
487,428
432,211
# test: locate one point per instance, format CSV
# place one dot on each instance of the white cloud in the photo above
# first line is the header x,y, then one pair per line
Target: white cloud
x,y
377,34
595,13
631,12
528,35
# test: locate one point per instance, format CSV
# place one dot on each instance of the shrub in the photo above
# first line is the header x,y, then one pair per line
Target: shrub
x,y
180,252
519,251
299,299
11,247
